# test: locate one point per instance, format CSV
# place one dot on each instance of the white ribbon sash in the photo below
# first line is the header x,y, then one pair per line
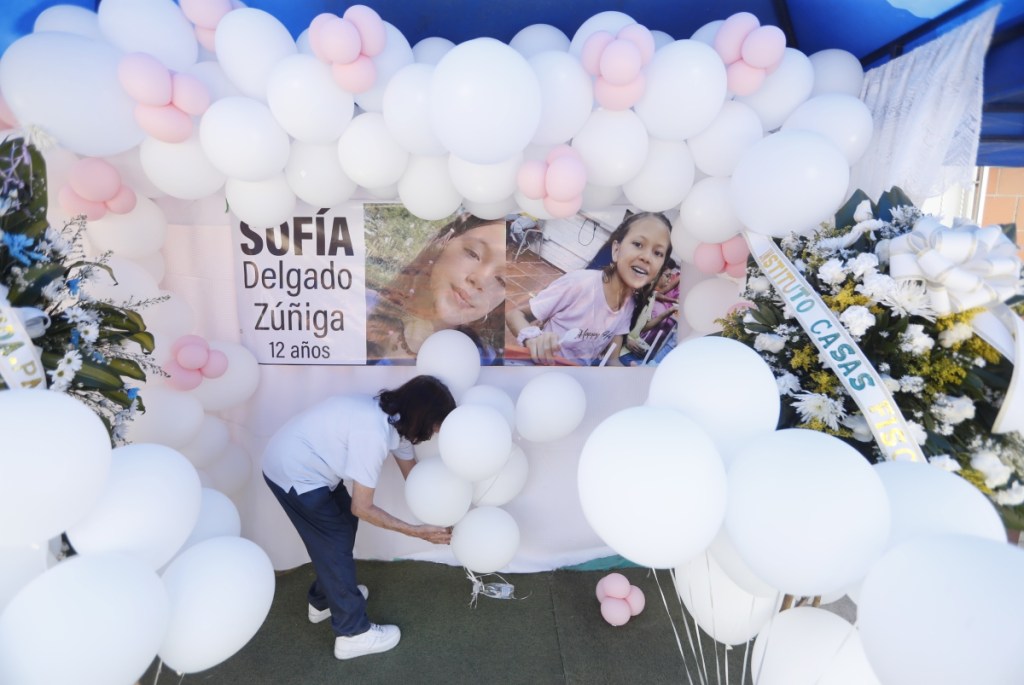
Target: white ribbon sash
x,y
842,354
20,366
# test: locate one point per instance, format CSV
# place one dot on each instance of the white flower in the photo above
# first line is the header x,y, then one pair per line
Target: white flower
x,y
769,342
917,432
859,425
944,462
90,331
863,211
67,367
77,315
57,241
53,288
787,383
911,384
995,471
863,264
910,298
953,410
915,341
876,287
1012,496
957,334
857,319
812,405
890,383
832,272
758,285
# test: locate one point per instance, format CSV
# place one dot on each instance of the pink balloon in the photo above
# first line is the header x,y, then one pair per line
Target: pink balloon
x,y
764,47
561,151
744,79
621,62
205,13
144,78
340,41
372,32
530,178
640,36
563,209
357,77
181,378
707,257
736,269
94,179
735,249
614,585
216,366
315,32
636,600
185,341
123,202
74,204
193,356
190,94
728,41
615,611
593,46
167,123
207,38
618,98
566,178
7,117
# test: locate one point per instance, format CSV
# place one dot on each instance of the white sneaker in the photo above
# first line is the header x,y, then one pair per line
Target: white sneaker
x,y
377,639
318,615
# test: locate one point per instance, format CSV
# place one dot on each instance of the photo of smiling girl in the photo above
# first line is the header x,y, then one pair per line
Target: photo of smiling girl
x,y
577,316
456,281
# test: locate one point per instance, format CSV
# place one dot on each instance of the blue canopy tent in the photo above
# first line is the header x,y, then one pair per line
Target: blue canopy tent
x,y
873,30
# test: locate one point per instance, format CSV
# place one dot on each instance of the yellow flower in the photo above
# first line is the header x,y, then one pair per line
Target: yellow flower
x,y
845,298
805,357
976,478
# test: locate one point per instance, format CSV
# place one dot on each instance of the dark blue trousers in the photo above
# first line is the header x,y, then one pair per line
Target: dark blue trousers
x,y
327,526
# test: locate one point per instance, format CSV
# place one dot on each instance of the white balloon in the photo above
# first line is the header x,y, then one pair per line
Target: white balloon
x,y
133,282
236,385
717,149
452,357
138,233
652,486
250,43
708,301
243,140
686,87
567,96
490,210
437,495
724,553
113,613
503,487
314,174
613,146
806,511
706,33
426,188
550,407
836,71
721,384
220,593
534,208
707,214
683,242
218,517
608,21
147,509
172,318
723,609
664,179
305,100
181,170
537,38
485,101
485,540
484,183
156,27
216,81
600,197
68,19
55,460
231,471
19,565
475,441
789,182
68,86
210,441
369,154
808,646
843,119
396,55
171,418
783,90
267,202
963,588
129,165
430,50
405,107
492,397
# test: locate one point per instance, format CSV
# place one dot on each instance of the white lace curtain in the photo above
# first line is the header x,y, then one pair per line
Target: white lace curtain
x,y
927,111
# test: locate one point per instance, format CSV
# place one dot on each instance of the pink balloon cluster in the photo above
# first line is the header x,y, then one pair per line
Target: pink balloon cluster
x,y
559,181
729,257
191,361
750,51
348,43
618,62
619,600
206,14
166,101
94,187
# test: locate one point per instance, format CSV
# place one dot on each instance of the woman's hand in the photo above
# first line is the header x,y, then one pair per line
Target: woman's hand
x,y
544,348
435,534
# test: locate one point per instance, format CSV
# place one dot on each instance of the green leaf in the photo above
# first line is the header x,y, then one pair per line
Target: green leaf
x,y
98,376
844,216
38,278
890,200
144,340
127,367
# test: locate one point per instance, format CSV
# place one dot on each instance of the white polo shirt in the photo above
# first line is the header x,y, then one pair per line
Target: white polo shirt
x,y
346,437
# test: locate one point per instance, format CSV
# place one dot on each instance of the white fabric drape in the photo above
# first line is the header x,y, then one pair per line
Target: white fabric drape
x,y
927,111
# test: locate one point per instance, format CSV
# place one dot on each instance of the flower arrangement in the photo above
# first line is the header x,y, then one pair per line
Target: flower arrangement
x,y
947,381
83,343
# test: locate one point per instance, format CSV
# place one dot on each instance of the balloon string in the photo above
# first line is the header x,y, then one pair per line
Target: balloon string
x,y
159,667
607,356
668,612
842,644
689,635
696,629
767,643
746,655
714,628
